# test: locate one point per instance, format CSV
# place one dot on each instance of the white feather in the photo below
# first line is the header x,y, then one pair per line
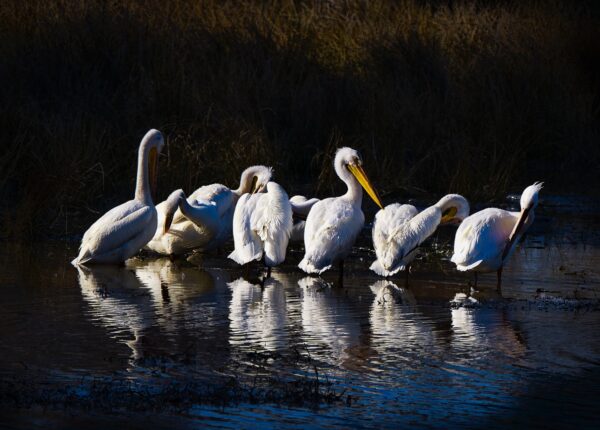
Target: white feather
x,y
262,223
482,237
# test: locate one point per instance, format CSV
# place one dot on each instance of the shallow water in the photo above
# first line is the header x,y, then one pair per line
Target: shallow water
x,y
200,341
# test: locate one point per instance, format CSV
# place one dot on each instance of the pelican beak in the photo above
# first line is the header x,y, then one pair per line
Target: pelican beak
x,y
515,232
361,176
255,186
153,171
168,221
448,216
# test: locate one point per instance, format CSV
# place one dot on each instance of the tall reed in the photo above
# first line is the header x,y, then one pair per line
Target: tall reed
x,y
471,97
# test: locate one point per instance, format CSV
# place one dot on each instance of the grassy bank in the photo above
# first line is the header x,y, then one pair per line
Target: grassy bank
x,y
476,98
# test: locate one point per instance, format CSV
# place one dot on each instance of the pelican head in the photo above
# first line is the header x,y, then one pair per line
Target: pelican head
x,y
529,201
529,198
454,208
171,205
254,179
349,160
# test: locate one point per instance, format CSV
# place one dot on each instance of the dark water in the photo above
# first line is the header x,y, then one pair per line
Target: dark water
x,y
163,343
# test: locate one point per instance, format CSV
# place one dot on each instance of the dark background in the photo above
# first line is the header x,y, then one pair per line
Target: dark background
x,y
479,98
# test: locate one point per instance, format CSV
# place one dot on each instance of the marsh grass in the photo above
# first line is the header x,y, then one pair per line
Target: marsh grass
x,y
473,97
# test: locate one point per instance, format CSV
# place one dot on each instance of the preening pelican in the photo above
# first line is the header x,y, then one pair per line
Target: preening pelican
x,y
121,232
300,207
262,224
486,240
400,229
202,215
333,224
199,227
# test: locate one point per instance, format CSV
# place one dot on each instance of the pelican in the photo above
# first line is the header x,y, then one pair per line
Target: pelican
x,y
300,207
121,232
400,229
333,224
195,224
202,214
486,240
262,224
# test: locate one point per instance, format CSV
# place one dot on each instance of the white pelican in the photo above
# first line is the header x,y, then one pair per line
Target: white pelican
x,y
300,207
333,224
121,232
486,240
262,224
200,227
203,215
400,229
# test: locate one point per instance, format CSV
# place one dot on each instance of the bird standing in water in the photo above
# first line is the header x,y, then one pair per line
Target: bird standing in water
x,y
122,231
486,240
204,228
399,230
262,224
333,224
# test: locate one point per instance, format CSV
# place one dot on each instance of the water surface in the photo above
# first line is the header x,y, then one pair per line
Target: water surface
x,y
199,341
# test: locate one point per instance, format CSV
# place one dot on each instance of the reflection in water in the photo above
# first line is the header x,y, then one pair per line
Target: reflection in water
x,y
152,306
257,315
397,329
116,300
476,333
404,354
331,329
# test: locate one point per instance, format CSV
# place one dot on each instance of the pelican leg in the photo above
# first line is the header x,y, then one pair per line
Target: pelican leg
x,y
268,271
475,286
406,274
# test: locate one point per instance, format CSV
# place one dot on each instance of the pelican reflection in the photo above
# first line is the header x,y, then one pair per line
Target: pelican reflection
x,y
115,296
331,327
257,315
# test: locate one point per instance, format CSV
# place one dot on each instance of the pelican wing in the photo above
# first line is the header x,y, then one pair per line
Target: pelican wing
x,y
481,238
331,229
115,229
301,206
248,245
272,222
222,196
389,238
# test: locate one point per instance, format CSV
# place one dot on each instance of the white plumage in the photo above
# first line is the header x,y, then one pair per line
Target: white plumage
x,y
486,240
206,230
333,224
192,216
121,232
399,230
262,224
301,207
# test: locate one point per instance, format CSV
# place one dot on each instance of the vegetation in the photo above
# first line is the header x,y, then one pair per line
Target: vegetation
x,y
472,97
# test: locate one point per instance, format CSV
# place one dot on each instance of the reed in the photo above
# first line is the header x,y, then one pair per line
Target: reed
x,y
471,97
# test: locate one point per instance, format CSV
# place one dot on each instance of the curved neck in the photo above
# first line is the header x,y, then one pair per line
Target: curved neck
x,y
354,193
245,182
202,216
143,192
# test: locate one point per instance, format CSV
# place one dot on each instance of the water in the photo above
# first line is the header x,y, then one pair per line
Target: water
x,y
199,341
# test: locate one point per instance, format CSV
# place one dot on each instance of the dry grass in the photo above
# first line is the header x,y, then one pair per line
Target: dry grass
x,y
475,98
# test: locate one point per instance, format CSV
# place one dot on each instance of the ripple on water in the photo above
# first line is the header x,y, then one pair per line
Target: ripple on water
x,y
401,355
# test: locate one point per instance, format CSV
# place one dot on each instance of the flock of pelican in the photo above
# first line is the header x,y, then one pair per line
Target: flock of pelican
x,y
262,220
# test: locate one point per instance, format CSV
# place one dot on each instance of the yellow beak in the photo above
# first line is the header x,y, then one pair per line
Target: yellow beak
x,y
254,187
361,176
449,215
